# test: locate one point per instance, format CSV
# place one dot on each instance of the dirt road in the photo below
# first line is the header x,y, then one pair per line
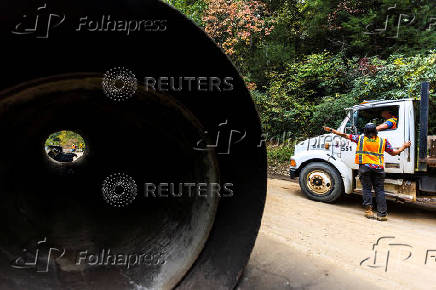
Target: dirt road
x,y
310,245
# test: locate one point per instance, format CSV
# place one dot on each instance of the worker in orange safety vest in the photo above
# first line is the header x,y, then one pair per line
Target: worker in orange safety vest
x,y
370,157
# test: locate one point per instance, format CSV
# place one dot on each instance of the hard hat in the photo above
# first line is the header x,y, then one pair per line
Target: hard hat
x,y
370,130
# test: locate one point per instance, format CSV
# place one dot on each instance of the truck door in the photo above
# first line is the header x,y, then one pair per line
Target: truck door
x,y
395,136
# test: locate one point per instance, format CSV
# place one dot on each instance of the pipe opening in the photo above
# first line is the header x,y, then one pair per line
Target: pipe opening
x,y
65,146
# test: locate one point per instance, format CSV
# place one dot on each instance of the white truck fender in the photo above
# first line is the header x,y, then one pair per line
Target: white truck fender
x,y
345,171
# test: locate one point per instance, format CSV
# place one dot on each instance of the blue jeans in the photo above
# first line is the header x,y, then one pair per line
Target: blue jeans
x,y
373,178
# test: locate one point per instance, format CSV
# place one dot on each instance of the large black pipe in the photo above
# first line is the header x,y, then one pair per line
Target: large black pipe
x,y
52,80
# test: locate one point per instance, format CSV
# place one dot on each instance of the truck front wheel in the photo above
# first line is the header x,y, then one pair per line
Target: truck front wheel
x,y
321,182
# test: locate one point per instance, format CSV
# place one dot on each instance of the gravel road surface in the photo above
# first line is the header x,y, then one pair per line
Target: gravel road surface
x,y
304,244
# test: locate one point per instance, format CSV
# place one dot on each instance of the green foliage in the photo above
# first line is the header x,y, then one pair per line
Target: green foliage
x,y
370,27
194,9
281,46
316,90
294,92
241,28
331,111
322,56
279,154
65,139
397,77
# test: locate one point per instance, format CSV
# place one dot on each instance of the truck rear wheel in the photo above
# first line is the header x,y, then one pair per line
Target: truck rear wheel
x,y
321,182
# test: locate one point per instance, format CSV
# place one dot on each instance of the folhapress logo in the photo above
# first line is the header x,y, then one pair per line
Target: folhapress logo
x,y
39,24
38,259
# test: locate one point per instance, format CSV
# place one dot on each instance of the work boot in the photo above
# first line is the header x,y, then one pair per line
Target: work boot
x,y
369,213
382,218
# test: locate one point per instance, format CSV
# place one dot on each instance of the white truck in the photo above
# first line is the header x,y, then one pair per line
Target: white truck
x,y
325,164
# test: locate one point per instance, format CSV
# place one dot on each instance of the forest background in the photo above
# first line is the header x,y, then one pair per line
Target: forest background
x,y
306,61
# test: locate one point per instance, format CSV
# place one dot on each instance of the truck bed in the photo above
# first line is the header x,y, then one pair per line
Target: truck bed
x,y
431,159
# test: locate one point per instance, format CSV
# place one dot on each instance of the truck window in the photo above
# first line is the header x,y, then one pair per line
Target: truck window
x,y
374,115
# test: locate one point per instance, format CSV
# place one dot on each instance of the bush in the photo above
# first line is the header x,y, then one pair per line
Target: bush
x,y
279,154
316,90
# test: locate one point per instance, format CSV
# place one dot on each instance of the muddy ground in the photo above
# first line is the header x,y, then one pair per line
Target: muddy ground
x,y
304,244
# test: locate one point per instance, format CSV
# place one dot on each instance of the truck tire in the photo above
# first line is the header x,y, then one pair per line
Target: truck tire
x,y
321,182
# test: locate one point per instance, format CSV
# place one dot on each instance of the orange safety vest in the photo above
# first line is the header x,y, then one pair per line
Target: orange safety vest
x,y
394,122
370,151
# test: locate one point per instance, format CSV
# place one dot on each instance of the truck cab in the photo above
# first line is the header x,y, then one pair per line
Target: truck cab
x,y
370,112
326,164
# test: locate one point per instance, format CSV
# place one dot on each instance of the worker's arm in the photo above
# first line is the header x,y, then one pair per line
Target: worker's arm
x,y
389,124
346,136
401,149
382,127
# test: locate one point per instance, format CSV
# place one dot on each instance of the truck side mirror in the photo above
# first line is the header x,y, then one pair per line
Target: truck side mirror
x,y
351,130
